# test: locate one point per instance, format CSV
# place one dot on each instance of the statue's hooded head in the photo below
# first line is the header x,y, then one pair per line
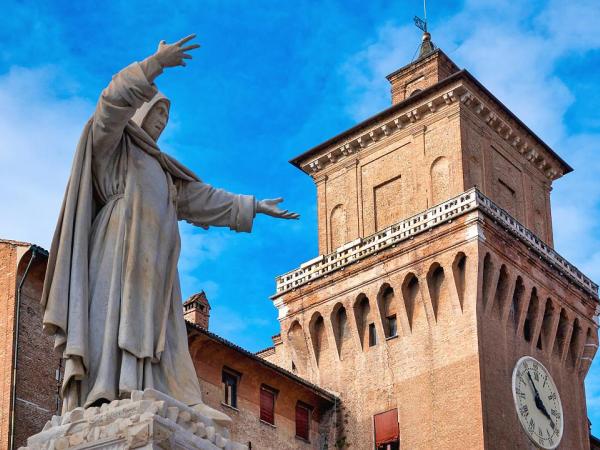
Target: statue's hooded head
x,y
152,116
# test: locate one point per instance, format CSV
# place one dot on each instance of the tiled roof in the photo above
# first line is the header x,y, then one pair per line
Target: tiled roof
x,y
329,396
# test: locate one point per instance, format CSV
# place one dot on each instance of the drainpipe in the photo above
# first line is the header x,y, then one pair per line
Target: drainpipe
x,y
34,251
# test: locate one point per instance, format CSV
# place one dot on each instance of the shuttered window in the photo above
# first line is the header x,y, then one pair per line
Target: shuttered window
x,y
303,421
267,405
386,428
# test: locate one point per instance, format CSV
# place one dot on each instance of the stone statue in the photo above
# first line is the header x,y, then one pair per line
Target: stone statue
x,y
111,295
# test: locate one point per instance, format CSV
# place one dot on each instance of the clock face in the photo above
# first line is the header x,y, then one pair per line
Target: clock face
x,y
537,403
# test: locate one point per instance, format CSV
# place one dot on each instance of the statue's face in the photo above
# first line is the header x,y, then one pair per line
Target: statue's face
x,y
156,120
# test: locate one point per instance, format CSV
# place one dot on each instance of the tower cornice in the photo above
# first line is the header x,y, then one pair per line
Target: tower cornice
x,y
460,87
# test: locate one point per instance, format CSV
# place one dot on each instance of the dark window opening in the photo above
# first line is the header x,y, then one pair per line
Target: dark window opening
x,y
527,330
230,387
387,430
303,421
294,369
392,326
372,335
267,404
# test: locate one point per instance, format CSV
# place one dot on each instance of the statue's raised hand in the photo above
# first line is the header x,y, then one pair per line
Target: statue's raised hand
x,y
172,55
270,208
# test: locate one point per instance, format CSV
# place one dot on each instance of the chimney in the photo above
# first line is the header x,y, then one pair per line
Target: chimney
x,y
196,309
431,67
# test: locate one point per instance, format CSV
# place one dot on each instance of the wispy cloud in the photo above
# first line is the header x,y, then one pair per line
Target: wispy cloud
x,y
40,123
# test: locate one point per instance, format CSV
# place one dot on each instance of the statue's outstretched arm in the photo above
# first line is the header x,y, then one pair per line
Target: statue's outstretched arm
x,y
129,89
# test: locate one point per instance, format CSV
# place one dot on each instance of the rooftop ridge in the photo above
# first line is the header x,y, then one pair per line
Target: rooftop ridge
x,y
470,200
330,396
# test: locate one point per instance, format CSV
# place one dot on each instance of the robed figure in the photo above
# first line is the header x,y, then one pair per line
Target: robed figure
x,y
111,295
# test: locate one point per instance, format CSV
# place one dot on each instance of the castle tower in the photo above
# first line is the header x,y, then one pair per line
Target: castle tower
x,y
196,310
437,275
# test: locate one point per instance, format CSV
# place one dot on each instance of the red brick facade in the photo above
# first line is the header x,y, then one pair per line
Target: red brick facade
x,y
34,391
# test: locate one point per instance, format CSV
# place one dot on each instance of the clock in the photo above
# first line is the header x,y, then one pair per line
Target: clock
x,y
537,403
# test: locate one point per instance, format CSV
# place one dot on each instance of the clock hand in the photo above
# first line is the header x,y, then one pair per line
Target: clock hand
x,y
537,395
538,401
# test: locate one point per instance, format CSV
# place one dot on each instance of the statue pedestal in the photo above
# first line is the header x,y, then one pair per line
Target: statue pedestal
x,y
147,420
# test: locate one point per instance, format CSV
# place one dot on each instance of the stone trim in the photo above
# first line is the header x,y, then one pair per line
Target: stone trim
x,y
468,201
407,117
382,130
515,139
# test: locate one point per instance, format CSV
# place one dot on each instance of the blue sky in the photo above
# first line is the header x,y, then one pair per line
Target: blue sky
x,y
271,80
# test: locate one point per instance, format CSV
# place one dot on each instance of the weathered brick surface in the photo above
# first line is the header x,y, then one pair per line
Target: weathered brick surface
x,y
210,357
430,371
8,271
420,75
36,390
37,364
502,341
449,370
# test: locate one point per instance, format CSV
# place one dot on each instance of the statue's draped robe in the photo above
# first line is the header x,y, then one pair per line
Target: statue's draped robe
x,y
111,295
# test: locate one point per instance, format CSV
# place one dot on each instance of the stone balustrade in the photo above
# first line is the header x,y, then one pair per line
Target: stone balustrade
x,y
468,201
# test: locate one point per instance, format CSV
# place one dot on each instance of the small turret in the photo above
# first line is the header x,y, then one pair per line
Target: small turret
x,y
196,309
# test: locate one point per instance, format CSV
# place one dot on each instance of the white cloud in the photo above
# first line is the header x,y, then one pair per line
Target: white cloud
x,y
40,124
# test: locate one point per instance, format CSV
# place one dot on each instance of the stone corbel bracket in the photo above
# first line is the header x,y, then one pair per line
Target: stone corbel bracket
x,y
410,116
385,128
532,153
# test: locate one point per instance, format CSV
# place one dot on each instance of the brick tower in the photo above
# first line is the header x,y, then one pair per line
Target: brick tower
x,y
437,273
196,310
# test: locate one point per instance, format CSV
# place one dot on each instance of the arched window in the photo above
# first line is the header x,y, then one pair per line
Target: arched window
x,y
338,227
440,180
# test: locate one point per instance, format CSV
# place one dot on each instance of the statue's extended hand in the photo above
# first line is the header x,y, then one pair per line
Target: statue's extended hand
x,y
270,208
171,55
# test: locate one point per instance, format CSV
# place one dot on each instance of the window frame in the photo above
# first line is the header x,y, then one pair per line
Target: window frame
x,y
392,319
309,409
231,374
372,338
273,392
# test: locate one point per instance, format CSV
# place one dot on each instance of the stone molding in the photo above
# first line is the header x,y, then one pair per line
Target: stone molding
x,y
148,420
382,130
470,200
514,138
408,117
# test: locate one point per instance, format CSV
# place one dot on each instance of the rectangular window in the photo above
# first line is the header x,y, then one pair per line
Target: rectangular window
x,y
230,380
392,326
372,335
303,421
267,404
387,430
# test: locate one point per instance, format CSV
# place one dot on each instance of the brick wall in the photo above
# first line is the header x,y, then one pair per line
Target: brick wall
x,y
37,363
210,357
36,393
8,272
429,371
449,369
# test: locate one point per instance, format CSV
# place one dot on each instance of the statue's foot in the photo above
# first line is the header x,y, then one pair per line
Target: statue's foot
x,y
217,416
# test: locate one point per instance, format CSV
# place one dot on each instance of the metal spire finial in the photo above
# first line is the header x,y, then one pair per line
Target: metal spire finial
x,y
426,46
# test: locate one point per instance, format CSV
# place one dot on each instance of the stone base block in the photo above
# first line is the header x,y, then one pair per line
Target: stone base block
x,y
147,420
